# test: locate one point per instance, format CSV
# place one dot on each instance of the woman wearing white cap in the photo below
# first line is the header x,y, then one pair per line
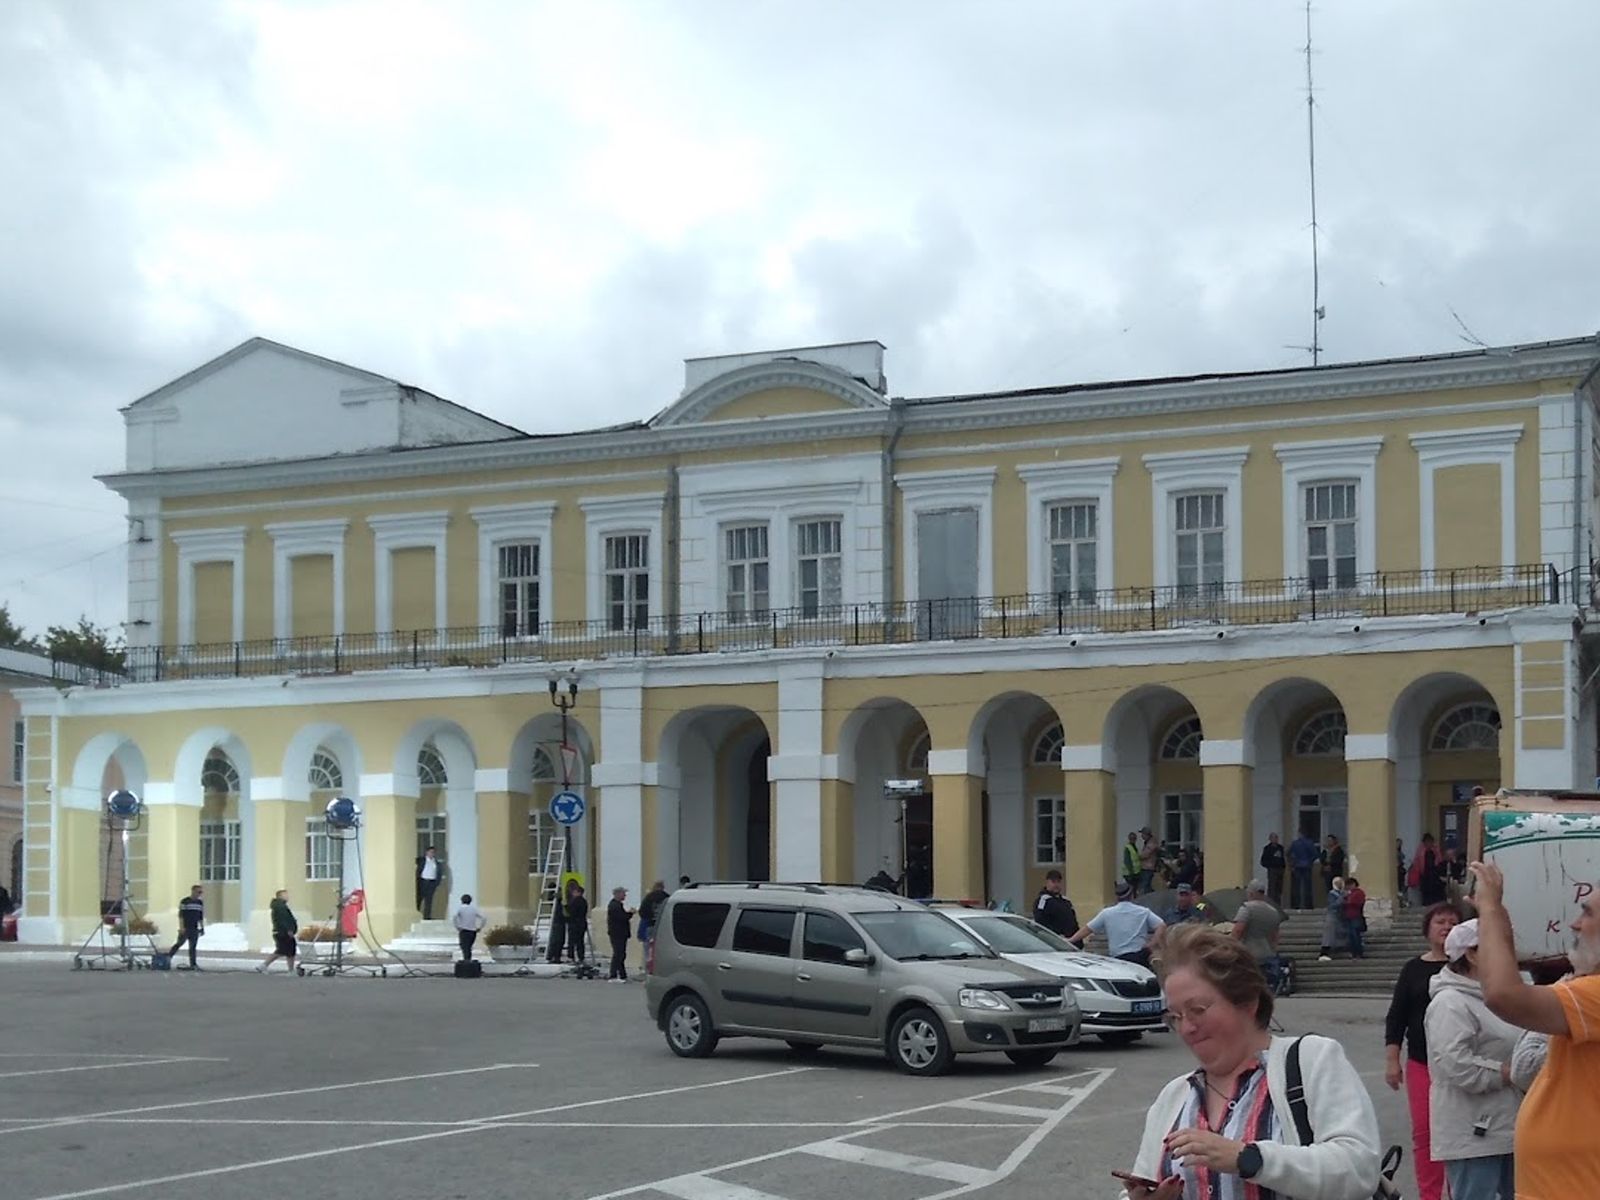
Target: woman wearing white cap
x,y
1472,1102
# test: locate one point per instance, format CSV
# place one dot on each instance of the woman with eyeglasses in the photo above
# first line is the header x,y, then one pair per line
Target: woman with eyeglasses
x,y
1226,1131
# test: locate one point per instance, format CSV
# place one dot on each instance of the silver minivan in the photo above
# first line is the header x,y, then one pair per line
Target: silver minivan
x,y
818,964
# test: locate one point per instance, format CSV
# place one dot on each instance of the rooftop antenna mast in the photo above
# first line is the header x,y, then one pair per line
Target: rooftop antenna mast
x,y
1317,311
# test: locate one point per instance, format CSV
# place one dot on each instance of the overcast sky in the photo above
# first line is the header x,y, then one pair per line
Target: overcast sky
x,y
539,210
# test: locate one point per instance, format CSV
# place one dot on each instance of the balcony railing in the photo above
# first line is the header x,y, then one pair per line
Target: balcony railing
x,y
1111,611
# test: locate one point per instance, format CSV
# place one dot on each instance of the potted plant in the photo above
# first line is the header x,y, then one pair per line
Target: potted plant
x,y
143,926
314,935
509,943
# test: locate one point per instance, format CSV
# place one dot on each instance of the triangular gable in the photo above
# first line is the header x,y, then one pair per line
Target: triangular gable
x,y
243,350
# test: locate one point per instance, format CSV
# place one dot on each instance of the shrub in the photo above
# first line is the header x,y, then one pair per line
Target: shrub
x,y
321,933
143,925
509,935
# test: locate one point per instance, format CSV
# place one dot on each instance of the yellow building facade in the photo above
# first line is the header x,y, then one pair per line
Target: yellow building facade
x,y
1332,600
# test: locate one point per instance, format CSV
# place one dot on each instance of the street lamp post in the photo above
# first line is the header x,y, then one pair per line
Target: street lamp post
x,y
564,695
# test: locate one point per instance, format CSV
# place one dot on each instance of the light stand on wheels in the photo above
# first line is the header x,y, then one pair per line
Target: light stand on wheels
x,y
342,818
124,812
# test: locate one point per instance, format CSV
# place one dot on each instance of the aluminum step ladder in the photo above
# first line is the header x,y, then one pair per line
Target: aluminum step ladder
x,y
555,861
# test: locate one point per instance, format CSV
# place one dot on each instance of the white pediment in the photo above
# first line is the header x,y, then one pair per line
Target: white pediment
x,y
857,386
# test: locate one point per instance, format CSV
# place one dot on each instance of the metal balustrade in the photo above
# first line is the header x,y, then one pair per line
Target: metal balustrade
x,y
1109,611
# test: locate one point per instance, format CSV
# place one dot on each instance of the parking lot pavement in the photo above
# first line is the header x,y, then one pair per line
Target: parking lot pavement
x,y
231,1085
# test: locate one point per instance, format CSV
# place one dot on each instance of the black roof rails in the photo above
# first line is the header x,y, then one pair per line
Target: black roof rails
x,y
810,887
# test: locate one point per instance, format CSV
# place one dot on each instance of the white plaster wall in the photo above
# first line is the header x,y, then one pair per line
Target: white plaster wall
x,y
861,359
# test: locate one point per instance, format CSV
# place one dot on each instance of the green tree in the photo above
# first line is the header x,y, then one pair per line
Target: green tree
x,y
87,644
12,636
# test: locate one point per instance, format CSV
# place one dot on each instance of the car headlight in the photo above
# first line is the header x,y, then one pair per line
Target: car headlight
x,y
981,998
1080,985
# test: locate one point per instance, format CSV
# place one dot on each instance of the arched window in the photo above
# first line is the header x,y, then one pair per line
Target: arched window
x,y
430,768
325,775
1047,750
1182,740
1323,734
1468,727
543,769
917,760
219,775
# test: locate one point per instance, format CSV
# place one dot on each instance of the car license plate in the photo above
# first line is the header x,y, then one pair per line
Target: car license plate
x,y
1146,1008
1047,1025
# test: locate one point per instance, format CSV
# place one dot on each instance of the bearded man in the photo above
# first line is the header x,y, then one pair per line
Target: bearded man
x,y
1557,1153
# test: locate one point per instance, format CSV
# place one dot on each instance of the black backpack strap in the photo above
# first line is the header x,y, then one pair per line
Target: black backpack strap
x,y
1295,1090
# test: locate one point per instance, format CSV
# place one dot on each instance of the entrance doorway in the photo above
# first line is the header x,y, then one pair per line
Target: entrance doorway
x,y
916,832
758,815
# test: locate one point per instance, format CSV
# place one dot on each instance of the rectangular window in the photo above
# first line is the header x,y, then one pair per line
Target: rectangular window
x,y
627,581
540,827
1322,813
220,846
818,566
1049,831
828,939
1198,527
322,851
1330,516
1073,537
748,572
19,750
1181,814
519,589
431,831
698,924
764,931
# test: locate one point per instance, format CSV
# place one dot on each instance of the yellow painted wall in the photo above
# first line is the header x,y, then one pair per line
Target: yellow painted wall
x,y
778,402
213,602
1466,518
311,577
412,578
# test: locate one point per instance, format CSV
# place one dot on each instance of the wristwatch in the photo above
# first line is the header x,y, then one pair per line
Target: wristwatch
x,y
1249,1161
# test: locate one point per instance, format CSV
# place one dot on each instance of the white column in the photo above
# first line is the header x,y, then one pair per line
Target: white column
x,y
621,787
461,830
797,772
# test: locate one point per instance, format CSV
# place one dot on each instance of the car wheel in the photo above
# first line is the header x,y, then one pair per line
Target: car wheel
x,y
918,1043
688,1027
1126,1038
805,1049
1033,1058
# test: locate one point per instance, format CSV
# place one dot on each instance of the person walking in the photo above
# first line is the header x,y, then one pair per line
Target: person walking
x,y
191,925
1302,855
1149,860
1236,1126
1053,910
619,928
1472,1108
1258,925
1131,930
1354,910
577,922
468,920
1333,928
650,910
284,927
1557,1153
1273,861
556,938
429,870
1405,1030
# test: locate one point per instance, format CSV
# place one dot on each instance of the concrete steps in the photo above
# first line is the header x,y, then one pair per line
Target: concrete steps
x,y
434,940
1386,953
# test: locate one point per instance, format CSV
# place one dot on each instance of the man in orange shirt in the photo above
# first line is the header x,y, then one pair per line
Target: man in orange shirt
x,y
1558,1154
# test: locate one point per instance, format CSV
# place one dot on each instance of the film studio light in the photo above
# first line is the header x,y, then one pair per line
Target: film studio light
x,y
342,820
124,813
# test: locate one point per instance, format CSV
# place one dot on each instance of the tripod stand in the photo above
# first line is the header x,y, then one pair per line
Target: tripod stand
x,y
343,823
123,813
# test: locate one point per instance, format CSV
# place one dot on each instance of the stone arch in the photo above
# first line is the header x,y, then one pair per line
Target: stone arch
x,y
534,769
108,760
1025,803
455,800
306,741
1433,788
234,900
1167,796
871,744
712,794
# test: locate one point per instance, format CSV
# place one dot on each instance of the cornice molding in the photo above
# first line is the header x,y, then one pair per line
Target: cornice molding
x,y
696,405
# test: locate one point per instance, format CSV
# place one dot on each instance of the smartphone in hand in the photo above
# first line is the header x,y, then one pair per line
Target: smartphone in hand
x,y
1149,1187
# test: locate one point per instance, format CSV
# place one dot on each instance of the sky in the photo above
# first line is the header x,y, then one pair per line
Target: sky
x,y
540,209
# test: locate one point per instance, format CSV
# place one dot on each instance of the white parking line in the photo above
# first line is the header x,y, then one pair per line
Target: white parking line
x,y
699,1187
111,1066
1008,1110
672,1091
890,1160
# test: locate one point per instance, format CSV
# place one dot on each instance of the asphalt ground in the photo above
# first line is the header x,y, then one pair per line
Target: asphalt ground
x,y
226,1084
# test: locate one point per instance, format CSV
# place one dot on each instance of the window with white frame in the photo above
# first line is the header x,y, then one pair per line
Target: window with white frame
x,y
1323,734
1181,817
325,775
748,571
540,829
220,851
1074,533
218,775
1330,535
1182,741
818,566
322,851
430,768
432,831
1047,750
1049,831
1467,727
543,767
1199,525
917,759
517,582
627,580
19,748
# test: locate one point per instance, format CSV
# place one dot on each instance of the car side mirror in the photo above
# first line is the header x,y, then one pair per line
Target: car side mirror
x,y
857,957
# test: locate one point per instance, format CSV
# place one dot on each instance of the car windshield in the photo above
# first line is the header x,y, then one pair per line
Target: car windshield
x,y
919,935
1015,935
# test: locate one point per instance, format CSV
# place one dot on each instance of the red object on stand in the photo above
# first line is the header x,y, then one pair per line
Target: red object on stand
x,y
354,904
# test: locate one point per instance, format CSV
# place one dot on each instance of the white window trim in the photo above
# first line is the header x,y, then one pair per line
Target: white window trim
x,y
609,516
198,546
1333,460
794,550
1177,472
1054,483
778,509
407,531
933,491
1057,807
1486,445
303,539
500,523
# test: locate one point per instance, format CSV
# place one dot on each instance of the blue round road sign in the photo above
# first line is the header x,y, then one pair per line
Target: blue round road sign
x,y
567,808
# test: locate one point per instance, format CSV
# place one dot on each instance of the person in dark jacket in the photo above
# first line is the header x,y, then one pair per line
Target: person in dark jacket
x,y
1187,870
1429,872
1053,910
557,937
191,924
619,928
1273,861
284,927
1333,861
577,922
650,909
1404,1028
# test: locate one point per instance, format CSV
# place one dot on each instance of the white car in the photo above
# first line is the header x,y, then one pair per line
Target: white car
x,y
1120,1001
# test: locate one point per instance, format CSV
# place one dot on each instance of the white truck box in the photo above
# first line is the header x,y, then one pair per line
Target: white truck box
x,y
1548,846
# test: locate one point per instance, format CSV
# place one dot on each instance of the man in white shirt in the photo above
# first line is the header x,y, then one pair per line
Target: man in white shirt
x,y
429,869
468,920
1130,929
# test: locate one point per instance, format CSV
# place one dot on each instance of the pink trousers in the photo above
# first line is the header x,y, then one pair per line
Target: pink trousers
x,y
1430,1174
